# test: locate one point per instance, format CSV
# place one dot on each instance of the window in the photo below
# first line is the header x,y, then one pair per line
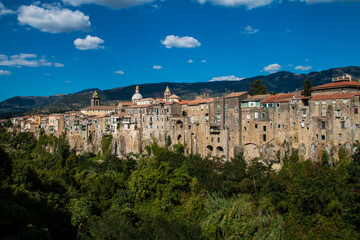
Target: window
x,y
278,105
256,126
342,124
264,137
236,109
333,102
218,117
279,115
304,112
226,116
256,114
264,105
157,118
202,107
323,137
323,102
279,126
270,105
323,125
345,101
226,107
248,116
340,136
263,115
357,126
218,139
244,128
356,110
236,119
264,128
218,107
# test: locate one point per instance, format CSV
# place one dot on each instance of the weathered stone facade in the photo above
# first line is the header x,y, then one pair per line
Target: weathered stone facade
x,y
267,126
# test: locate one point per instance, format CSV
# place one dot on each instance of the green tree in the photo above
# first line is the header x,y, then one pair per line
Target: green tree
x,y
257,87
306,88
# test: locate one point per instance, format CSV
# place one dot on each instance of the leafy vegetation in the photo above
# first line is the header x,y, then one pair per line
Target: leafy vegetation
x,y
49,192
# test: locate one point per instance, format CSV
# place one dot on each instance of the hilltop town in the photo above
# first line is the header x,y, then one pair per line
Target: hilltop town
x,y
267,126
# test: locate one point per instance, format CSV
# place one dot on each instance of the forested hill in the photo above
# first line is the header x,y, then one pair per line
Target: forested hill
x,y
279,82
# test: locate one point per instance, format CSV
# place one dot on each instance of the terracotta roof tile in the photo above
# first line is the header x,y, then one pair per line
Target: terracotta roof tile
x,y
332,85
281,97
235,94
334,96
195,102
257,97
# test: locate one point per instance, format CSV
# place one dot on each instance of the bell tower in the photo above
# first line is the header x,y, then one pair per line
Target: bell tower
x,y
95,100
167,93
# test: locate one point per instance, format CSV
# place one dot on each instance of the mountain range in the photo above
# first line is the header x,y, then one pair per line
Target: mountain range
x,y
278,82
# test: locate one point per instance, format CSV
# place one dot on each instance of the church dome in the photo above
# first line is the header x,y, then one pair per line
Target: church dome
x,y
137,96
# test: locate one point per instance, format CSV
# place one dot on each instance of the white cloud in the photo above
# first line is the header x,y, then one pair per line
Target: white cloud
x,y
27,60
180,42
157,67
226,78
89,43
119,72
235,3
4,10
67,81
249,30
53,19
203,61
3,72
115,4
272,68
303,68
59,65
190,61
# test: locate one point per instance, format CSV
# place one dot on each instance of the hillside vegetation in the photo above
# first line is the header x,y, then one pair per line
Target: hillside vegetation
x,y
48,192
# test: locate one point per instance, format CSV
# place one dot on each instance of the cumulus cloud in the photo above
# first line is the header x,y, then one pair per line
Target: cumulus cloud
x,y
272,68
226,78
303,68
190,61
115,4
4,10
203,61
27,60
180,42
89,43
119,72
249,4
59,65
53,19
249,30
157,67
3,72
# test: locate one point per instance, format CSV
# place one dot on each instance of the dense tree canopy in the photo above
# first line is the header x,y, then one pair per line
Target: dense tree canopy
x,y
257,87
49,192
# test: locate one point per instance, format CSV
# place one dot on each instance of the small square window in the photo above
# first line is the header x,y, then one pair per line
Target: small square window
x,y
356,110
256,126
322,137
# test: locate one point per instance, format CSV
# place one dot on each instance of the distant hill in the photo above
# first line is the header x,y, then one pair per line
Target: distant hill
x,y
278,82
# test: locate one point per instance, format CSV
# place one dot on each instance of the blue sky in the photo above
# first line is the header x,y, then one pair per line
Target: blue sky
x,y
54,47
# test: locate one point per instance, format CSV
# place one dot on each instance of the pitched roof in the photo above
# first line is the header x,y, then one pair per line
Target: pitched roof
x,y
281,97
125,103
174,96
105,108
184,102
333,85
196,102
256,97
235,94
334,96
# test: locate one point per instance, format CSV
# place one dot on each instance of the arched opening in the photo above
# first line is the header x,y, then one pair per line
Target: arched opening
x,y
179,137
179,124
209,149
220,152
